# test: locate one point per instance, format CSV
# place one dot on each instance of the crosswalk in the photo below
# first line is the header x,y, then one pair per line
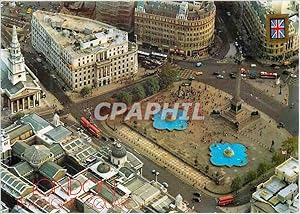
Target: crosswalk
x,y
164,158
186,73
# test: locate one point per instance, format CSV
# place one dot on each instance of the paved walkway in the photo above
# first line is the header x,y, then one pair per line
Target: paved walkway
x,y
237,209
164,158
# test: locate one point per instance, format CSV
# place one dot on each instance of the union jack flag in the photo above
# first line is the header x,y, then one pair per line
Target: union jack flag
x,y
277,29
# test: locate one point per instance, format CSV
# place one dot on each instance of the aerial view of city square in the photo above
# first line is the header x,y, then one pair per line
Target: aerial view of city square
x,y
149,106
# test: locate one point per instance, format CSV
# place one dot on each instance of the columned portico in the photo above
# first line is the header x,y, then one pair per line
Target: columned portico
x,y
22,86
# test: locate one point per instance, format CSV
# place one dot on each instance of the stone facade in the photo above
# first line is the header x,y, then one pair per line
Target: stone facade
x,y
182,28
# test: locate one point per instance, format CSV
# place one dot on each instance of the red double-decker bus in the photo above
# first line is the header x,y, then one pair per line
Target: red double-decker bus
x,y
90,126
268,75
224,200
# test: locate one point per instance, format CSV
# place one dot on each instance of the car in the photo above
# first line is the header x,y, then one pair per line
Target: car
x,y
199,64
220,76
197,194
277,67
216,73
112,139
104,138
38,59
165,184
236,44
186,84
198,73
191,78
243,75
293,75
196,199
64,88
228,13
253,65
281,125
223,72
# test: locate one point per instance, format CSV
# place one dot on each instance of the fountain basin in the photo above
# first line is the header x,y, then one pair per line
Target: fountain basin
x,y
163,121
228,154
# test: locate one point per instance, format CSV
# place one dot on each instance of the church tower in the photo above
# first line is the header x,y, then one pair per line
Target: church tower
x,y
16,60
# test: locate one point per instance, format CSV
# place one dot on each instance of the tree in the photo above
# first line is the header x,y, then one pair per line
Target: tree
x,y
290,146
250,176
151,86
277,158
138,92
125,97
167,76
236,183
262,168
85,91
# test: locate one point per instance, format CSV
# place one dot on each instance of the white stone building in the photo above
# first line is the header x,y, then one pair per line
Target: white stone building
x,y
279,194
84,52
20,88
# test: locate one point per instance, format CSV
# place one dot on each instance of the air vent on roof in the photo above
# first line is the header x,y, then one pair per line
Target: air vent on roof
x,y
47,19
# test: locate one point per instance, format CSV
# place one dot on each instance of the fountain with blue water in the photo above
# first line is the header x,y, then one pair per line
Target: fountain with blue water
x,y
170,119
228,154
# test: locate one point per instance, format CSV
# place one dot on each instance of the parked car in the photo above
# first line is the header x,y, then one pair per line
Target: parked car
x,y
253,65
112,139
293,75
216,73
64,88
197,194
280,125
232,75
104,138
199,64
196,199
191,78
220,76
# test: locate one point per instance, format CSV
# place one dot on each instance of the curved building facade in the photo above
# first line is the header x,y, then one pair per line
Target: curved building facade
x,y
253,22
182,28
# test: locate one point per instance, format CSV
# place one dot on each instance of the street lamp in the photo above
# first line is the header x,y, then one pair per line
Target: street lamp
x,y
156,173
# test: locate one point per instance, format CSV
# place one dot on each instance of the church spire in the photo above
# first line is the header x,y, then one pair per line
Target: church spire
x,y
15,50
14,42
16,60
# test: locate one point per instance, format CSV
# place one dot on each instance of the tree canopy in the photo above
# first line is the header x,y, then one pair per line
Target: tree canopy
x,y
236,183
85,91
167,76
138,92
151,86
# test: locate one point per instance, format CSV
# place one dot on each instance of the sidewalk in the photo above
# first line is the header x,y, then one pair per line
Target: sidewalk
x,y
245,208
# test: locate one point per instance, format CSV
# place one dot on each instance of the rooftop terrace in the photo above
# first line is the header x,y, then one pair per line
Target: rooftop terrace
x,y
80,35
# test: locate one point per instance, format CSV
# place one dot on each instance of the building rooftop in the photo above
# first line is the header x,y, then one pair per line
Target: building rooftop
x,y
58,133
277,193
11,90
35,121
37,154
171,9
22,169
289,167
13,184
50,170
19,148
78,35
19,130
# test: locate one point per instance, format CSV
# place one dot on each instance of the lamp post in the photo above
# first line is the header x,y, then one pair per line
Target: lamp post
x,y
156,173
